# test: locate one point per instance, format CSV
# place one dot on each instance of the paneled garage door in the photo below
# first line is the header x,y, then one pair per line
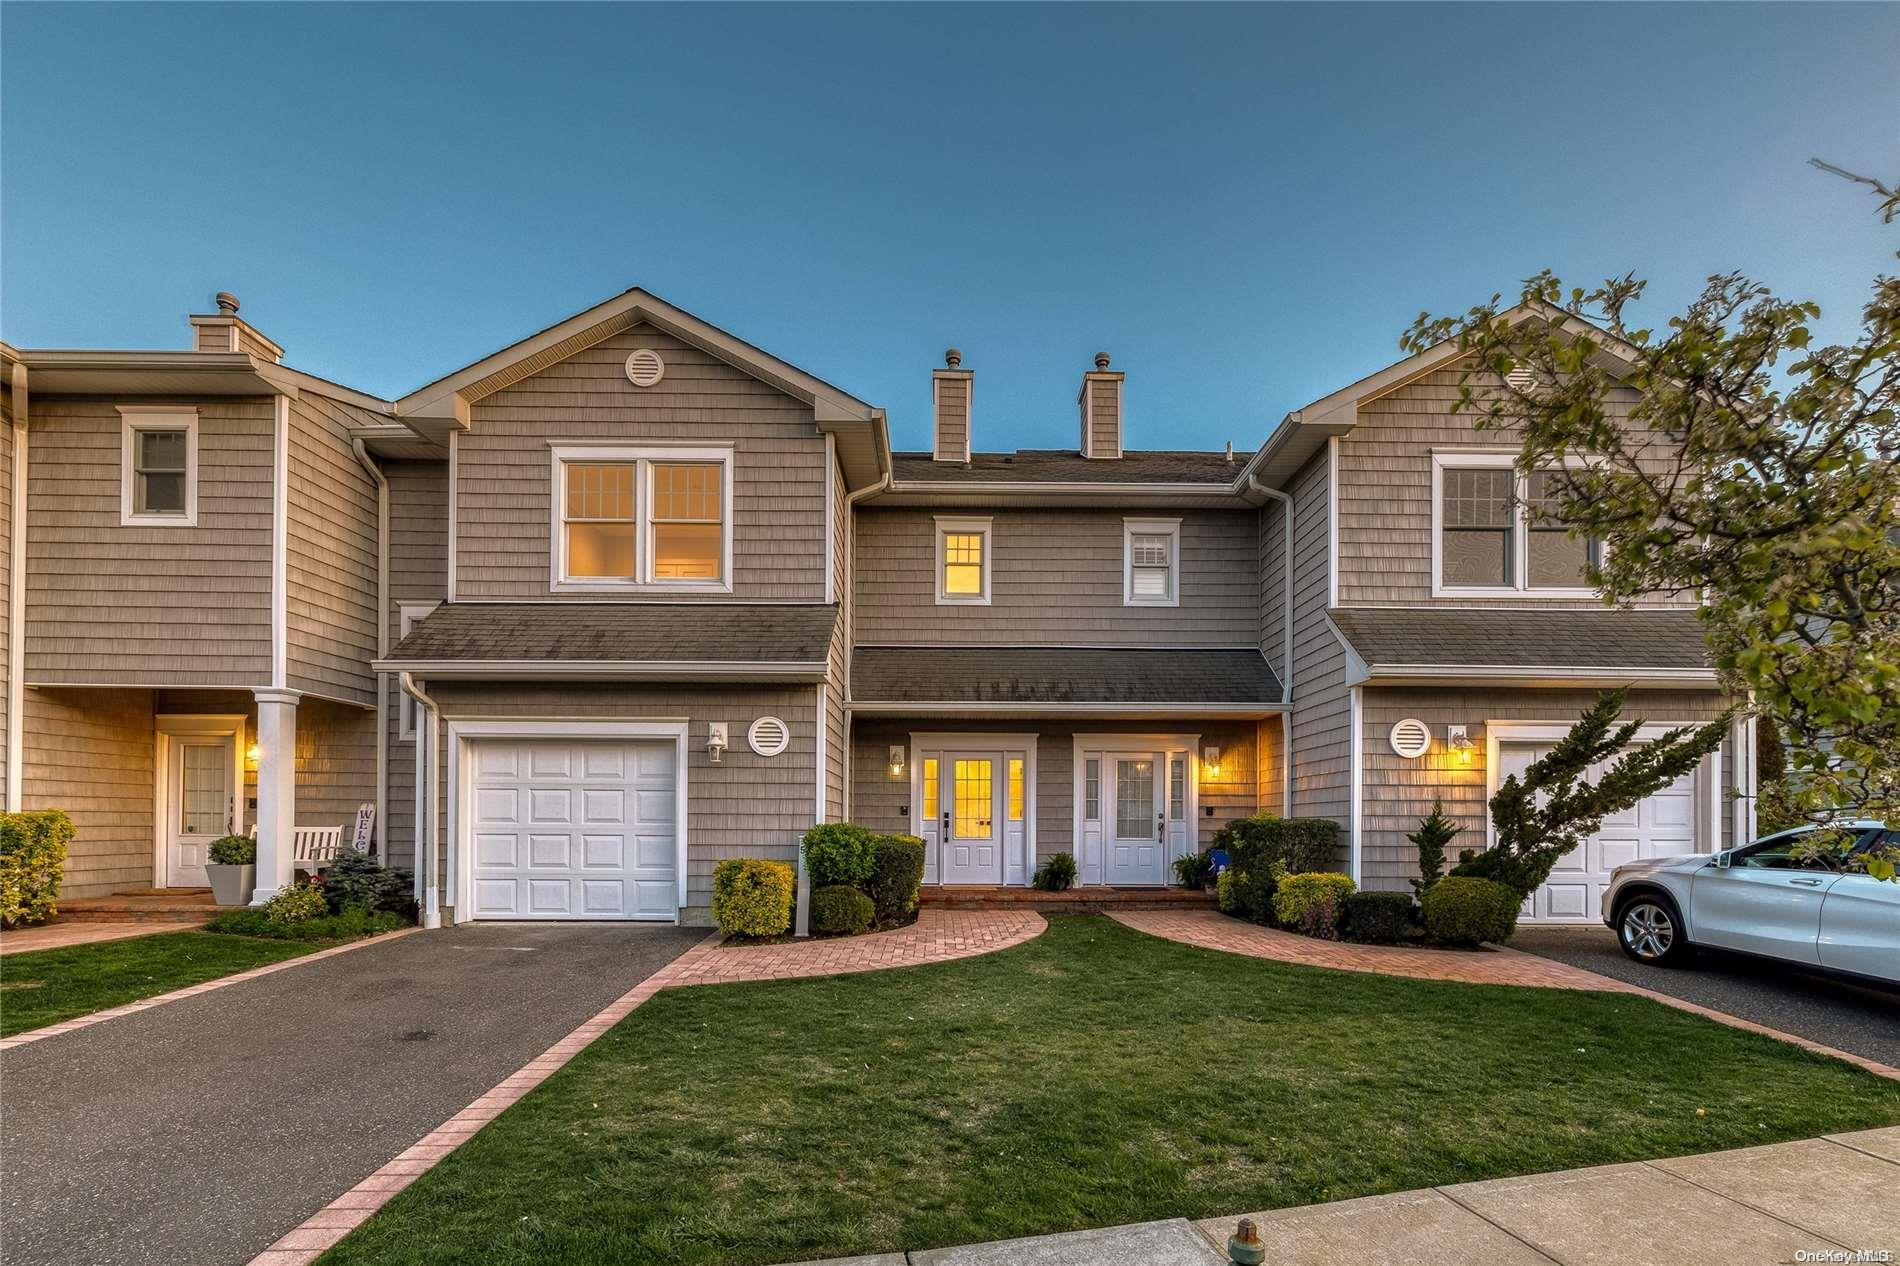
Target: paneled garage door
x,y
1662,826
573,830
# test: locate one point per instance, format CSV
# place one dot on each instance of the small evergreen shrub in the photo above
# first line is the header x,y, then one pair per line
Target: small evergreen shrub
x,y
896,876
32,859
234,850
1295,894
357,879
753,896
1434,835
1301,844
1376,918
351,925
1056,874
840,910
1191,871
1247,893
1466,910
298,903
839,853
1227,891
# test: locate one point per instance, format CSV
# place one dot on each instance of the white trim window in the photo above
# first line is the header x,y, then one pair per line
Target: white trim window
x,y
1494,532
652,519
1151,562
158,466
408,615
963,561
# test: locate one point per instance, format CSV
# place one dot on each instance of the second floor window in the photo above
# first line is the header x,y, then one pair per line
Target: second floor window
x,y
159,467
1497,532
648,518
963,560
1151,557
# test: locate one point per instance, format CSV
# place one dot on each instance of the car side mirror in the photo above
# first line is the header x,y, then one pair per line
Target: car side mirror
x,y
1721,861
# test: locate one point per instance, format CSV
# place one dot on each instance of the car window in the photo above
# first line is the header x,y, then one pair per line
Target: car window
x,y
1783,853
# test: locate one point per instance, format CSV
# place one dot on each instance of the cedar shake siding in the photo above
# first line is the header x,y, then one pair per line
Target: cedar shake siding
x,y
1385,494
1273,518
113,605
1398,792
838,654
1270,765
747,806
418,572
1321,723
6,569
90,752
882,803
330,618
336,764
1056,580
503,475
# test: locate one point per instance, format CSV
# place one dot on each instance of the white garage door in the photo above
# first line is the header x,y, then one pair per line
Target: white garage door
x,y
573,830
1662,826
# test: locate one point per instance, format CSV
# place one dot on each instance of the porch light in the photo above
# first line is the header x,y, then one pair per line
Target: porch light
x,y
1458,739
716,742
251,754
1210,761
897,760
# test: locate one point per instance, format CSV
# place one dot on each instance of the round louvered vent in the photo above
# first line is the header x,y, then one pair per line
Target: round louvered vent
x,y
644,367
1411,738
769,736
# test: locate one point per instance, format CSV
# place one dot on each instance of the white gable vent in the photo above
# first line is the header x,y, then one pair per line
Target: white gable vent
x,y
644,367
1521,377
769,736
1411,738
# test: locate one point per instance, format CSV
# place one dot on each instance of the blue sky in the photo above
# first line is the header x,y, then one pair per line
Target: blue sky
x,y
1244,205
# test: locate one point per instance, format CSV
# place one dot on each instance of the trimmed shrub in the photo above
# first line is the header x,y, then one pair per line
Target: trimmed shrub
x,y
357,879
1056,874
1466,910
1295,895
1191,871
1247,893
839,853
1377,918
32,858
1434,835
840,910
753,897
896,876
1257,845
299,903
353,924
234,850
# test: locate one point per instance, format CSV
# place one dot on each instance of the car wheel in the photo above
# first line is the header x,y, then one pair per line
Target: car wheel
x,y
1650,931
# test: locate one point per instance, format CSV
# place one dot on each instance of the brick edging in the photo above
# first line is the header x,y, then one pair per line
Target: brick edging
x,y
192,991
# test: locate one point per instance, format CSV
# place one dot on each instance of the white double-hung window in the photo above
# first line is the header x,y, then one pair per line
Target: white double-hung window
x,y
642,518
1495,531
963,560
158,466
1151,562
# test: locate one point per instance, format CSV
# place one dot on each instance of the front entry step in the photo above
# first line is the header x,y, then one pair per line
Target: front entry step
x,y
146,905
1086,900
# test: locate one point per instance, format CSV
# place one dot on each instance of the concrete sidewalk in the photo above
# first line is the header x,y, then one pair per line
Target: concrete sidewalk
x,y
1824,1198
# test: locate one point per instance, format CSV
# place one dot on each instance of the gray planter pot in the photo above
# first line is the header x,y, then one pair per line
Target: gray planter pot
x,y
232,885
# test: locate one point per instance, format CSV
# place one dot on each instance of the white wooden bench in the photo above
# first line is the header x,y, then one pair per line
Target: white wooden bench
x,y
314,847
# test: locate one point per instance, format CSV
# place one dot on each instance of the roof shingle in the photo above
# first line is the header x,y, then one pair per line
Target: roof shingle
x,y
1524,639
1056,465
884,674
619,632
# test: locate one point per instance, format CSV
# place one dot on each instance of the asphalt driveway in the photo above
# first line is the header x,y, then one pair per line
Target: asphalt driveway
x,y
1849,1017
200,1131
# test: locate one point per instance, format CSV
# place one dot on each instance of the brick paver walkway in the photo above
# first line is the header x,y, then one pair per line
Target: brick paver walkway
x,y
60,935
1211,930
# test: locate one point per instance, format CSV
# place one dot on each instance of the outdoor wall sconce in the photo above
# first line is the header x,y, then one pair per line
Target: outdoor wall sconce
x,y
716,742
897,760
1458,739
1210,761
251,754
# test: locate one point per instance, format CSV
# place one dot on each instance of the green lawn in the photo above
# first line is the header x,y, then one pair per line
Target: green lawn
x,y
1091,1077
43,987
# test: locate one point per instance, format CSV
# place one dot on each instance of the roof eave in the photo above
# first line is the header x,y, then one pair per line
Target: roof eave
x,y
1539,675
604,670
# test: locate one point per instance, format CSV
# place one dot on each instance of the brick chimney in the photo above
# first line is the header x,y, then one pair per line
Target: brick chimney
x,y
226,331
1100,403
950,390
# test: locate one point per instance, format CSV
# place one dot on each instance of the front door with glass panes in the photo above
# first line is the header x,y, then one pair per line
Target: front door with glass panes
x,y
1136,809
973,816
201,803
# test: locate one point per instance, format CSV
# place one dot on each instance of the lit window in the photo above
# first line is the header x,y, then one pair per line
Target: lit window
x,y
629,517
963,560
971,798
158,484
1151,554
1177,788
1092,790
930,789
1015,789
1498,531
1134,799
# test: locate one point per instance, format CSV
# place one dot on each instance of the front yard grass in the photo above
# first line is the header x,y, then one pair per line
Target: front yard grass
x,y
41,987
1094,1076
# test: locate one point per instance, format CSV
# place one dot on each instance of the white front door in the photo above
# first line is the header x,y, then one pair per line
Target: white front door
x,y
1136,818
968,820
200,801
568,829
1662,826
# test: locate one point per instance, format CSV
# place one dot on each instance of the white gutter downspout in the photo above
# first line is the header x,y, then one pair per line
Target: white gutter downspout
x,y
382,642
16,603
428,761
1286,619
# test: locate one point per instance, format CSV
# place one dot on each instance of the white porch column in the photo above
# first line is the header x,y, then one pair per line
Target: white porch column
x,y
276,789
